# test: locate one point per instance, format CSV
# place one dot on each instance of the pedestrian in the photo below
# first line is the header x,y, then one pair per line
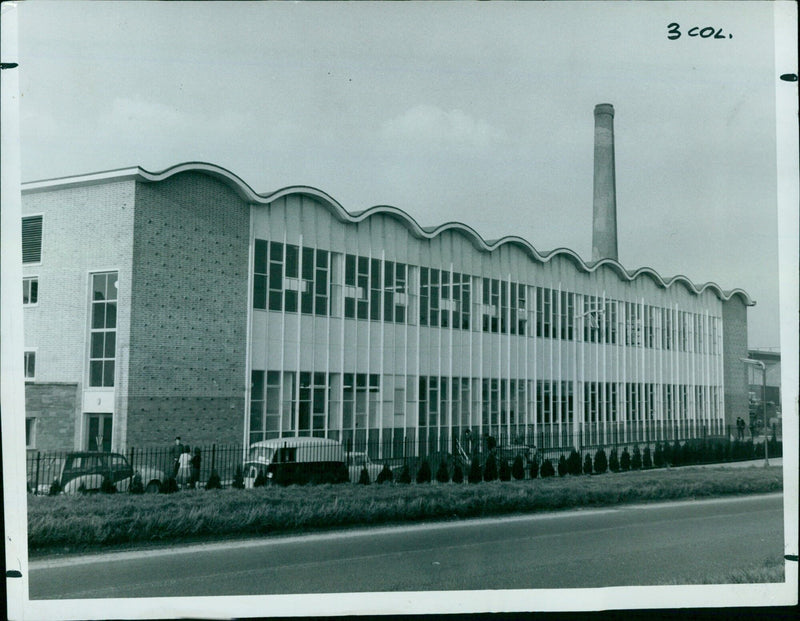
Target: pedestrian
x,y
195,468
184,473
175,452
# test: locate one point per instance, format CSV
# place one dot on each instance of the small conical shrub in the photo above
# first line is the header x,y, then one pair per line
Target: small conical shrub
x,y
137,487
547,469
424,472
600,461
213,481
55,488
475,474
458,474
405,475
533,471
505,471
658,456
636,459
587,464
363,478
613,461
625,460
687,453
107,486
238,479
490,468
261,479
562,466
385,475
574,463
442,472
667,454
647,460
518,468
675,454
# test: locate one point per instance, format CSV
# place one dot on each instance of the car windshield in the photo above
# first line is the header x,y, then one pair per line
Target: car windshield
x,y
261,453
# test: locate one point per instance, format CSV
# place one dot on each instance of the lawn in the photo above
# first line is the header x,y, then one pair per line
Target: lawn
x,y
71,523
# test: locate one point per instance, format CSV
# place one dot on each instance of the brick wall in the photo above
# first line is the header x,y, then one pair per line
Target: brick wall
x,y
734,334
54,406
189,312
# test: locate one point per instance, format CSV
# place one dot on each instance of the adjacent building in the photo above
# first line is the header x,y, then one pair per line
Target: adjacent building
x,y
184,303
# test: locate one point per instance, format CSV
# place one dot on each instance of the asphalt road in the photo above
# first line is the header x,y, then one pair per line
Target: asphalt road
x,y
627,545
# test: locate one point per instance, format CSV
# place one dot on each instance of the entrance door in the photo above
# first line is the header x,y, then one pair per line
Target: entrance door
x,y
98,432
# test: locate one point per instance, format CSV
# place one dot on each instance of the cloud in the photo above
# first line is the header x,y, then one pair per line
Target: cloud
x,y
432,127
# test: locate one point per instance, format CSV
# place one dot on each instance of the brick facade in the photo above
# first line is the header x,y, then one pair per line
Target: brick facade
x,y
189,312
734,335
54,406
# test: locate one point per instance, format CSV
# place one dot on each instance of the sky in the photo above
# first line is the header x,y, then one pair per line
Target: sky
x,y
475,112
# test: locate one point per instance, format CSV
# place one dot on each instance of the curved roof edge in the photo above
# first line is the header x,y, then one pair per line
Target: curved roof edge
x,y
245,192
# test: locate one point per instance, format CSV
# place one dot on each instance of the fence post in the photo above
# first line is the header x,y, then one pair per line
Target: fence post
x,y
133,465
213,456
38,464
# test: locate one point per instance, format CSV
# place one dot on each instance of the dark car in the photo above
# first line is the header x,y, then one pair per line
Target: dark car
x,y
85,471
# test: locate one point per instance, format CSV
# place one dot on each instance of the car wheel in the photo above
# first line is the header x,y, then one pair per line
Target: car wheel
x,y
153,487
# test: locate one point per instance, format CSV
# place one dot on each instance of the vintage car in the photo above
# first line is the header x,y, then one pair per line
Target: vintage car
x,y
297,460
357,461
85,471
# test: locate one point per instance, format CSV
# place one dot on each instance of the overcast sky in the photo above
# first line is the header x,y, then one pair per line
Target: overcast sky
x,y
476,112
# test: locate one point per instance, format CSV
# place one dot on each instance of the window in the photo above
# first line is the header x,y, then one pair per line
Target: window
x,y
395,293
491,305
30,433
103,329
30,291
32,239
356,287
286,277
544,318
30,365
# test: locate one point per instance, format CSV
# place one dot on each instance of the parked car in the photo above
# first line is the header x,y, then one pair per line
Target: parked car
x,y
85,471
509,453
295,460
357,461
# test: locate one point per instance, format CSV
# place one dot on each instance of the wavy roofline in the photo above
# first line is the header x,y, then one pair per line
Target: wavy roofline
x,y
245,192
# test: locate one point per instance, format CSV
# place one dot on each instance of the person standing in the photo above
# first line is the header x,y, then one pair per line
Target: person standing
x,y
183,475
175,452
195,462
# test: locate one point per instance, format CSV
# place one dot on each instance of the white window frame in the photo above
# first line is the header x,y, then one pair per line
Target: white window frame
x,y
41,241
27,279
29,350
30,442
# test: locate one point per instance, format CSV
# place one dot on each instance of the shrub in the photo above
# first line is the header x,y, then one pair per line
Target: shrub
x,y
688,455
385,475
667,454
261,479
107,486
625,460
55,488
505,470
424,472
636,460
587,464
547,469
534,469
562,466
675,454
363,478
238,479
213,480
491,443
574,463
600,461
405,475
442,472
518,468
137,487
658,456
647,460
170,486
613,461
490,468
458,474
475,474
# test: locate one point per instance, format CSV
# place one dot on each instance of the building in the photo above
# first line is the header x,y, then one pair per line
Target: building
x,y
755,381
184,303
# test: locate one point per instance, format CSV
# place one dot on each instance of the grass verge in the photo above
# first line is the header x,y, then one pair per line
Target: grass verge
x,y
66,523
769,571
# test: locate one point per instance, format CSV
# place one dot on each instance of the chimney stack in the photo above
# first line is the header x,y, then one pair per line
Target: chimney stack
x,y
604,227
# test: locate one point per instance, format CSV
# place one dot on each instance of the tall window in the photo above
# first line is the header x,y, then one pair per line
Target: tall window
x,y
544,317
286,278
395,291
103,330
30,290
356,287
444,298
30,365
30,433
491,305
32,239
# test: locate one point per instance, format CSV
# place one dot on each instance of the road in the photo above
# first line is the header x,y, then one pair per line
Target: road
x,y
626,545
